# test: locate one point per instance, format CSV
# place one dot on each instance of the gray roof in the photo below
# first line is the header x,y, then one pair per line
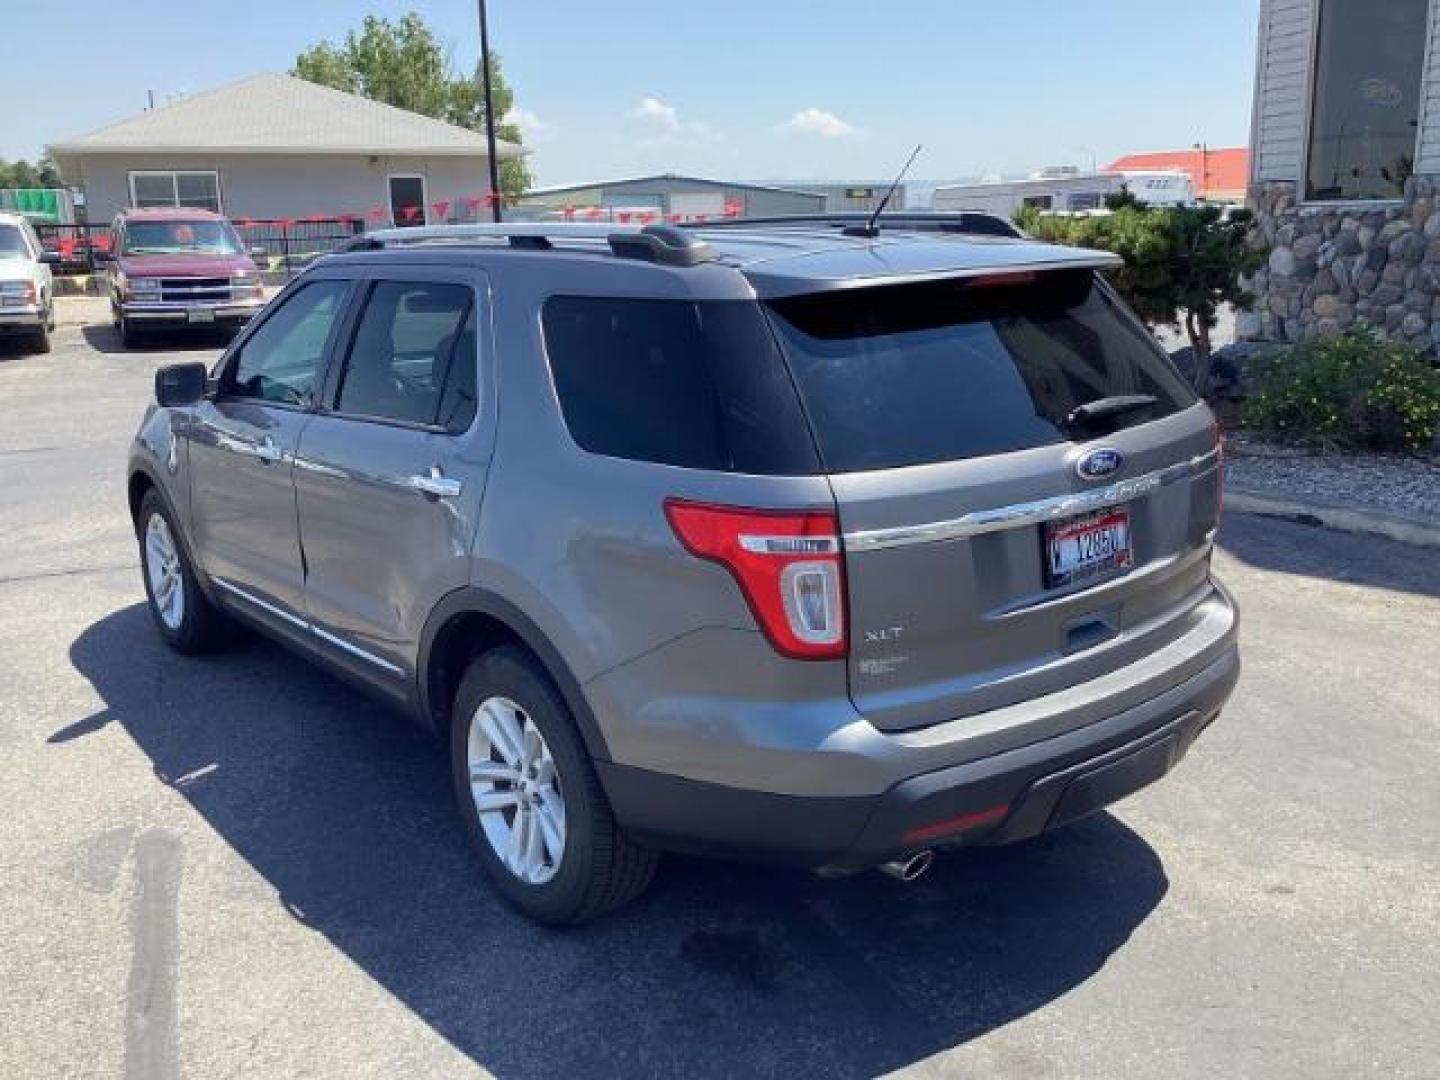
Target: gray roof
x,y
280,114
698,181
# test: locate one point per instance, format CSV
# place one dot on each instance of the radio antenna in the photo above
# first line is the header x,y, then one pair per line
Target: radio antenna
x,y
869,229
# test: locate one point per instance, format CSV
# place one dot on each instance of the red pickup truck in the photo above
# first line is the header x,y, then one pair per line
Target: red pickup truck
x,y
177,268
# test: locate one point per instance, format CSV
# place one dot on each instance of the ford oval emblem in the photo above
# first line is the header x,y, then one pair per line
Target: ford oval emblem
x,y
1098,464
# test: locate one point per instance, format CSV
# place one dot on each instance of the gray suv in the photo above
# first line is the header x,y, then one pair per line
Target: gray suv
x,y
828,547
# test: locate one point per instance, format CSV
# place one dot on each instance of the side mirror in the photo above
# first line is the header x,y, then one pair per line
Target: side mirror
x,y
180,384
50,258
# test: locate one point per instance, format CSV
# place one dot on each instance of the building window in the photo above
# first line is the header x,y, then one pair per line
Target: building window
x,y
1365,100
198,190
407,200
1039,202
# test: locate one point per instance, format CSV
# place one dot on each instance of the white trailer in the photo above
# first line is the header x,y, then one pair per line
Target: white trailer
x,y
1063,190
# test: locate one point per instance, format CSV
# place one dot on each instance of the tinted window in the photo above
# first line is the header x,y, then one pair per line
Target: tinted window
x,y
403,351
913,374
1366,105
678,383
282,360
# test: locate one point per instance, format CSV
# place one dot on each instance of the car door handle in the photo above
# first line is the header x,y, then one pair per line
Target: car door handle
x,y
436,483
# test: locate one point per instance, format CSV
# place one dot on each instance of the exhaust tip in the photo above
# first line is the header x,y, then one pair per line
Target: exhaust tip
x,y
910,867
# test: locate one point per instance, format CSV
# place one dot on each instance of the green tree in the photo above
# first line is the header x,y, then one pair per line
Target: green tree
x,y
22,174
1180,263
403,64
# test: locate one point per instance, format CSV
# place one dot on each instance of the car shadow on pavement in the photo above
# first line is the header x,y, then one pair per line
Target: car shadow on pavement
x,y
105,338
1292,547
720,969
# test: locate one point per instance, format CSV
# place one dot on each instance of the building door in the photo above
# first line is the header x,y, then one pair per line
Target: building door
x,y
407,200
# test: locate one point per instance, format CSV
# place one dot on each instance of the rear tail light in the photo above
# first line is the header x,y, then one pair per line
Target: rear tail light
x,y
788,564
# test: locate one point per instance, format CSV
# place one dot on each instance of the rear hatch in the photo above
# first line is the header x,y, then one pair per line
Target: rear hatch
x,y
1027,488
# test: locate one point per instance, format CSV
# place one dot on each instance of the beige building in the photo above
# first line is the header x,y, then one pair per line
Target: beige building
x,y
277,147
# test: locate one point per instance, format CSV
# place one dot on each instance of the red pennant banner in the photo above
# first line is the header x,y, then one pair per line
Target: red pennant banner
x,y
569,213
67,249
410,213
593,213
647,218
624,217
441,208
102,242
346,219
473,203
376,213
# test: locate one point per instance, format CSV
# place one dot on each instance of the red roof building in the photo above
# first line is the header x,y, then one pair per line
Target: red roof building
x,y
1220,175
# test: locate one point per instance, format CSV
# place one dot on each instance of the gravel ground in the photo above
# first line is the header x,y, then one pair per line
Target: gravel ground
x,y
1400,485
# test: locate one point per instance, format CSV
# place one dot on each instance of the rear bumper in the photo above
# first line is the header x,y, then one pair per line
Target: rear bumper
x,y
22,317
1004,797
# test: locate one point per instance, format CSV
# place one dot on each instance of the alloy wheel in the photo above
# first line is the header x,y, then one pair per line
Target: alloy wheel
x,y
162,566
516,790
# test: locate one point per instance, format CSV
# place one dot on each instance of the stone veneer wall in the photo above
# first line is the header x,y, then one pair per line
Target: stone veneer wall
x,y
1330,267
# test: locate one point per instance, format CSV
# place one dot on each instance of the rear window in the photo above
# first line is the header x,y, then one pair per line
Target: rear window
x,y
701,385
938,371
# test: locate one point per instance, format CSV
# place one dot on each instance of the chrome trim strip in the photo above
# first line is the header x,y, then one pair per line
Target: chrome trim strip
x,y
295,620
264,605
355,650
1019,515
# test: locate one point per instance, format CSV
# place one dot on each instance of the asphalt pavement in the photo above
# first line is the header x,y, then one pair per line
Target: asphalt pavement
x,y
236,866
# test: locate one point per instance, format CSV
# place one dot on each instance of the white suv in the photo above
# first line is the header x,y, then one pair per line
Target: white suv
x,y
27,295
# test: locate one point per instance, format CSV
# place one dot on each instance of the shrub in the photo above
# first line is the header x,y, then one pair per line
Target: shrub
x,y
1356,391
1181,263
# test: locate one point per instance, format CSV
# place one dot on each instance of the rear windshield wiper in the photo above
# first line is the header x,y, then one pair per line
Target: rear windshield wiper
x,y
1108,408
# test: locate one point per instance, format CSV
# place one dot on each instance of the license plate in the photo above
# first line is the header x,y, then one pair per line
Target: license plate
x,y
200,315
1086,547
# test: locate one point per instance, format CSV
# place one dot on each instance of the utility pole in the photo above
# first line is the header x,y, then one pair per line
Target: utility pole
x,y
1204,169
489,115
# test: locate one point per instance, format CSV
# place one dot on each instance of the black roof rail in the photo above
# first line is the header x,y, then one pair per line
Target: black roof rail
x,y
966,222
664,244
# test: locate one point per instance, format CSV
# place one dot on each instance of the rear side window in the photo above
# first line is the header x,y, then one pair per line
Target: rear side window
x,y
701,385
938,371
413,349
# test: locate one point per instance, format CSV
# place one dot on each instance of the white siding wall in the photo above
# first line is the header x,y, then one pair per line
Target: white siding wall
x,y
1282,83
1427,160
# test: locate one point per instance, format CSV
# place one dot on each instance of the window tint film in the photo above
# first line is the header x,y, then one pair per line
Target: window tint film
x,y
913,374
403,349
678,383
282,360
1368,62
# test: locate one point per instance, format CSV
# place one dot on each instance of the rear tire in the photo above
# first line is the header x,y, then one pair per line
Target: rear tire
x,y
40,341
536,793
186,619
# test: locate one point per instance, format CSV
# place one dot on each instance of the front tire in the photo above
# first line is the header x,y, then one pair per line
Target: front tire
x,y
531,802
187,621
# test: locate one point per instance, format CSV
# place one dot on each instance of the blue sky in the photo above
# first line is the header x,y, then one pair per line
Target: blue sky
x,y
784,89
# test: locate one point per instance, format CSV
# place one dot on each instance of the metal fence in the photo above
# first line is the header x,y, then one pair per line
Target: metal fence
x,y
281,247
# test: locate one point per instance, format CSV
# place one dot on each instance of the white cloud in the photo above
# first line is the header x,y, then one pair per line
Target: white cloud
x,y
532,128
819,122
657,114
662,126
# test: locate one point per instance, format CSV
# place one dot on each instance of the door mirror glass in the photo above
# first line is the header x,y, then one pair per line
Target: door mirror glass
x,y
180,384
50,258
